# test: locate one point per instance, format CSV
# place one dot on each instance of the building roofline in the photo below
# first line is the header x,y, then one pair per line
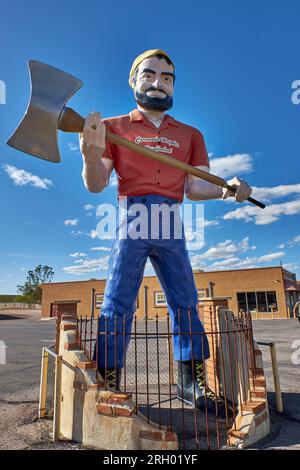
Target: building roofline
x,y
194,271
72,282
242,269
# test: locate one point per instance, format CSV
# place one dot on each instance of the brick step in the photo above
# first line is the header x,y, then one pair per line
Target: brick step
x,y
75,346
69,327
258,393
256,372
238,434
254,407
110,410
261,419
86,365
258,381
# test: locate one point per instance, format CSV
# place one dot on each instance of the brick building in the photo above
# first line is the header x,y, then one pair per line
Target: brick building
x,y
267,292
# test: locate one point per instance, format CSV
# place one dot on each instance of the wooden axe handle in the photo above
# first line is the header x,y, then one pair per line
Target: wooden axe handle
x,y
70,121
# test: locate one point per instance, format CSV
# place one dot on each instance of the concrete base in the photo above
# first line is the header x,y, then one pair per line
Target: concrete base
x,y
95,417
253,421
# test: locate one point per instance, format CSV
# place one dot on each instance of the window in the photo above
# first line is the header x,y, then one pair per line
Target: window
x,y
201,295
257,301
98,300
242,302
251,299
160,299
261,302
272,301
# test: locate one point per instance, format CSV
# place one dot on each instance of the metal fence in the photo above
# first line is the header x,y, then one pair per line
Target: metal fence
x,y
151,374
50,388
19,305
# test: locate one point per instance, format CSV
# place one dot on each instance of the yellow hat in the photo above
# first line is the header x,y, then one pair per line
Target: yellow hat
x,y
143,56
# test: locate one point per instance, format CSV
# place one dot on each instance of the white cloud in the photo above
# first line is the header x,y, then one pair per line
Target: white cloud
x,y
89,207
77,255
73,147
226,249
231,165
209,223
226,263
24,178
113,179
265,216
88,266
100,248
77,232
93,233
71,222
237,263
282,245
295,240
149,270
291,266
267,194
269,257
193,230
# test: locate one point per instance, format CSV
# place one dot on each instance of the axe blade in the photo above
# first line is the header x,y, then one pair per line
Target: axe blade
x,y
51,88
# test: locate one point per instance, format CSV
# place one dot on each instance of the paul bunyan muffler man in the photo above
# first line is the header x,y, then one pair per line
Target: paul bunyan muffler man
x,y
148,182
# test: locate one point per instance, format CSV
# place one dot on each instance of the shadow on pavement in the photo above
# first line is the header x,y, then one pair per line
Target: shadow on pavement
x,y
285,427
4,316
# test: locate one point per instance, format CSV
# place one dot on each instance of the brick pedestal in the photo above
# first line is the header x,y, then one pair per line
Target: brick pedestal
x,y
209,318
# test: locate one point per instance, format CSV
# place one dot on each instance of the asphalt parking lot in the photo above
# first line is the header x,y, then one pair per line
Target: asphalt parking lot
x,y
24,337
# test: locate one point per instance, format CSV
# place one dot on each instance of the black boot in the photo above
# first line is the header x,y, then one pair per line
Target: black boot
x,y
193,390
112,377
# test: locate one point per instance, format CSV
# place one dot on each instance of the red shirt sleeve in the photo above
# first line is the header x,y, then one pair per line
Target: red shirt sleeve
x,y
110,149
198,154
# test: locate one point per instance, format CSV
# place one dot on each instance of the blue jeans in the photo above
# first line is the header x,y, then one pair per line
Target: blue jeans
x,y
170,260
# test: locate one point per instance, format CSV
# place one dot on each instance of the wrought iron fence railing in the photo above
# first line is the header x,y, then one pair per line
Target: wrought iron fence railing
x,y
151,374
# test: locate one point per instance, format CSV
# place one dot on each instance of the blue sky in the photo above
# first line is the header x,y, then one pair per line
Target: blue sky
x,y
235,64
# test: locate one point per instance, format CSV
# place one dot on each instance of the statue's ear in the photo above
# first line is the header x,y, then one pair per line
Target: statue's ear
x,y
132,80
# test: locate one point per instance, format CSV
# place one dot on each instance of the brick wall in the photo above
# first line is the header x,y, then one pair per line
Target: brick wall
x,y
226,284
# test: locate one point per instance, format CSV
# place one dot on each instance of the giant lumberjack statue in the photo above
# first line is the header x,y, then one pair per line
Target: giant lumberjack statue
x,y
146,181
177,163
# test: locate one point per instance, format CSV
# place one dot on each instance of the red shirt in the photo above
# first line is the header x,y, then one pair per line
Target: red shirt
x,y
138,175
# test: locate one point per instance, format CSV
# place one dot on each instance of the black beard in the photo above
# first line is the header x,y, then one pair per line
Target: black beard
x,y
153,102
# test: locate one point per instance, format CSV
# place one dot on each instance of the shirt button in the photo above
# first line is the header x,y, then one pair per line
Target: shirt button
x,y
143,200
158,171
158,182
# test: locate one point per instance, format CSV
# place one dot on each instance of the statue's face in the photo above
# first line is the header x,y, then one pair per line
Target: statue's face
x,y
154,85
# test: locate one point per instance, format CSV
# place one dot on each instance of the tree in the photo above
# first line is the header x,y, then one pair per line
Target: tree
x,y
32,287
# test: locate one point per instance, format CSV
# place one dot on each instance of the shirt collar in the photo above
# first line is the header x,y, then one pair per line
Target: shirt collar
x,y
137,116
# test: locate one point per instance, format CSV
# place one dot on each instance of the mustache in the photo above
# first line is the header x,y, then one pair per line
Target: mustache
x,y
156,89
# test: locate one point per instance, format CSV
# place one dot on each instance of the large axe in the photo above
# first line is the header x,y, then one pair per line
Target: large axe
x,y
36,134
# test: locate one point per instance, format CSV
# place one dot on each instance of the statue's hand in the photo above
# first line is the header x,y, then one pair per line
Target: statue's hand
x,y
243,190
92,139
